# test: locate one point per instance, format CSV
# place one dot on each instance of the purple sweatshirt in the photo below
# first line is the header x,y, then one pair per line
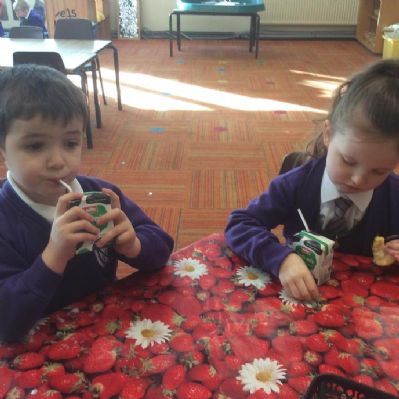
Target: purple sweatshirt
x,y
248,231
29,289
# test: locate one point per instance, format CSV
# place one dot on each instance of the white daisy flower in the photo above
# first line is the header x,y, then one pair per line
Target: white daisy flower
x,y
263,374
250,275
287,299
189,267
147,332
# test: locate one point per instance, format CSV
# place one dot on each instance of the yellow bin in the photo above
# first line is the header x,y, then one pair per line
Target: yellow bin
x,y
391,48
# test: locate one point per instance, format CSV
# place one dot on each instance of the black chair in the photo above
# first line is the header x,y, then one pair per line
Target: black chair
x,y
54,60
26,32
79,29
293,160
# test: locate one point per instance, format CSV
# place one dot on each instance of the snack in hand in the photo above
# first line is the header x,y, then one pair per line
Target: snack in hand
x,y
380,257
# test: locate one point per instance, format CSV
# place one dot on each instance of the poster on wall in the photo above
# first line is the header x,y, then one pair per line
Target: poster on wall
x,y
129,19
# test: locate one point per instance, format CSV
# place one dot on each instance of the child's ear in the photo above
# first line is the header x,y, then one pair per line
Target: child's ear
x,y
326,133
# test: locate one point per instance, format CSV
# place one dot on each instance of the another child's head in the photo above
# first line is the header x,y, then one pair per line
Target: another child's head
x,y
21,8
362,129
42,120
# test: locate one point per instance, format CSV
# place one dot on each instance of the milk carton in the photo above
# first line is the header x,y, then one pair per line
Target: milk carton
x,y
317,253
97,204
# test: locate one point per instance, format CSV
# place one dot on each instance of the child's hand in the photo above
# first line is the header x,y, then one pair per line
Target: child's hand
x,y
297,279
126,241
392,247
70,228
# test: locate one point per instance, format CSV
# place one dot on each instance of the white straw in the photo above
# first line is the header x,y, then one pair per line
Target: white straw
x,y
303,219
66,185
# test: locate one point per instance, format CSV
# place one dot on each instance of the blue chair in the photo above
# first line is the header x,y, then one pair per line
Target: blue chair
x,y
245,8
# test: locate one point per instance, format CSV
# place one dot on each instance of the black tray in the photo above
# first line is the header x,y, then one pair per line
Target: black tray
x,y
331,386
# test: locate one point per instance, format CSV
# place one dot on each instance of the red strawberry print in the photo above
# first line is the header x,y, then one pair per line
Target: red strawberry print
x,y
206,375
53,369
317,343
364,379
299,368
349,363
368,328
350,260
135,388
14,393
108,385
289,347
312,358
44,393
386,386
361,278
232,388
329,319
99,361
28,360
173,377
67,383
158,364
351,286
192,390
164,313
385,290
303,327
328,292
62,350
207,281
6,380
29,379
300,384
182,342
248,347
328,369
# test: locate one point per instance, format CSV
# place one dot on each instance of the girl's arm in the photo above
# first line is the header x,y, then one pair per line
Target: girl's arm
x,y
248,231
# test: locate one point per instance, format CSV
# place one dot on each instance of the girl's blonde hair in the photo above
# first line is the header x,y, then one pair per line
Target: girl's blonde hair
x,y
21,5
368,101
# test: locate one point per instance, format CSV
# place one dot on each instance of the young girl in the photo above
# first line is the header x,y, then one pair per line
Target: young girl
x,y
355,165
42,120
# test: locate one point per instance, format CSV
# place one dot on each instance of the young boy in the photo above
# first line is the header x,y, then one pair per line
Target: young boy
x,y
42,120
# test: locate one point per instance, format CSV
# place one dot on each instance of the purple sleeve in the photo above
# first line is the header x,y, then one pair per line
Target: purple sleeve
x,y
24,292
248,231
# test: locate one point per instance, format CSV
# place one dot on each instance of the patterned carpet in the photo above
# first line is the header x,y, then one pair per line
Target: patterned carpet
x,y
205,131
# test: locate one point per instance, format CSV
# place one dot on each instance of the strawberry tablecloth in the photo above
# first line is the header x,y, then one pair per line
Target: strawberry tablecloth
x,y
210,326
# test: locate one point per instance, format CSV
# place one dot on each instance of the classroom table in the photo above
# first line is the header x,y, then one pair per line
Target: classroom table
x,y
239,8
209,325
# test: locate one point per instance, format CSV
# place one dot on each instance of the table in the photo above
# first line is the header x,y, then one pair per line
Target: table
x,y
239,8
74,53
209,325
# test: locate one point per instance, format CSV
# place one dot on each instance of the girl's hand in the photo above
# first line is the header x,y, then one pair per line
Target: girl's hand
x,y
392,247
126,241
296,278
70,228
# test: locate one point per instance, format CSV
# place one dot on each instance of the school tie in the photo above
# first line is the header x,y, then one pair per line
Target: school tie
x,y
337,226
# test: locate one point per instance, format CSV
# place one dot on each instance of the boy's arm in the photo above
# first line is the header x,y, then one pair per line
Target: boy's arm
x,y
24,292
156,244
248,230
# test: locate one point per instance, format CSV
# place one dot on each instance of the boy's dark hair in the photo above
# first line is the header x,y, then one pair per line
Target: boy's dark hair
x,y
30,90
368,101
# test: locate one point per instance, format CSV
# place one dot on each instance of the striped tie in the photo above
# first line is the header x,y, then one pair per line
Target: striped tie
x,y
337,226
